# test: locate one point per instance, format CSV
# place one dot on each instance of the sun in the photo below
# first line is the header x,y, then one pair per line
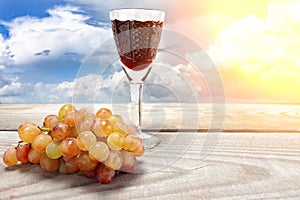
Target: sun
x,y
254,44
257,56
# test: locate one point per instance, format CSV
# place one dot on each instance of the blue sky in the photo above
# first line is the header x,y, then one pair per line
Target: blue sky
x,y
43,43
57,69
10,10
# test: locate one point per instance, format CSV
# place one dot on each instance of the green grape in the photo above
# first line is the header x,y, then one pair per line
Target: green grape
x,y
41,142
102,127
85,140
120,127
131,143
97,129
48,164
115,141
73,117
84,162
114,160
103,113
86,125
87,114
100,144
116,118
68,147
52,150
62,111
28,131
99,151
10,157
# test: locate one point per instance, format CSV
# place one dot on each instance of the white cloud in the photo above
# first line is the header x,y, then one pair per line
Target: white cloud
x,y
12,89
16,91
5,54
173,8
259,58
105,6
165,83
263,41
63,31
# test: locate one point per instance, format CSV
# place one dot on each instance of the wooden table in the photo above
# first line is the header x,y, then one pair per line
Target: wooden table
x,y
240,165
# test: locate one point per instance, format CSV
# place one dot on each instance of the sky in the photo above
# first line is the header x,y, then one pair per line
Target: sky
x,y
253,45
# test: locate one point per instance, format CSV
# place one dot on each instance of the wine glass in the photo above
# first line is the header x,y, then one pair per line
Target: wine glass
x,y
137,34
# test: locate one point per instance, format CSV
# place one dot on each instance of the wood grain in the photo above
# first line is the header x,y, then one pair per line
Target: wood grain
x,y
170,117
240,166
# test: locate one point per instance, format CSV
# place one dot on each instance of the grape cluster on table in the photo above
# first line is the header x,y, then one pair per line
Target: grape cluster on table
x,y
79,141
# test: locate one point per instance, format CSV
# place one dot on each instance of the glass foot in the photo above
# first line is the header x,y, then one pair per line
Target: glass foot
x,y
149,140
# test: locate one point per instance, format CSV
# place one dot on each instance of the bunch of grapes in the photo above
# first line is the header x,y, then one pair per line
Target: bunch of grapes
x,y
79,141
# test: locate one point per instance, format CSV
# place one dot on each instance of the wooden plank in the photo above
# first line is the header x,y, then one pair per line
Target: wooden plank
x,y
156,117
240,166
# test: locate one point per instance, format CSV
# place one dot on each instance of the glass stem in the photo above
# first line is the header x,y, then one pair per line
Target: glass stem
x,y
136,91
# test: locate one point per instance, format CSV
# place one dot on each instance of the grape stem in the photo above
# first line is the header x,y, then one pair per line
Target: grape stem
x,y
19,143
44,129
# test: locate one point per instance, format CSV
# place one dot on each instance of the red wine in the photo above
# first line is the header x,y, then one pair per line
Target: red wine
x,y
137,42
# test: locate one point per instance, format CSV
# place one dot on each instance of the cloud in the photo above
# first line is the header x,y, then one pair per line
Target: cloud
x,y
44,50
2,79
16,91
175,8
65,30
11,87
5,54
259,58
68,34
165,83
43,53
101,79
202,29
